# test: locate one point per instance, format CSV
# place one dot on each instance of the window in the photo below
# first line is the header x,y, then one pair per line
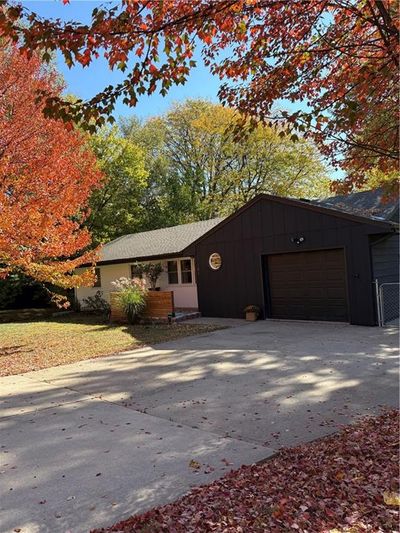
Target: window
x,y
186,271
180,272
98,277
136,272
173,272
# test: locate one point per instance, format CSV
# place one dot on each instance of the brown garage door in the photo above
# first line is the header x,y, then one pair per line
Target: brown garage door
x,y
308,285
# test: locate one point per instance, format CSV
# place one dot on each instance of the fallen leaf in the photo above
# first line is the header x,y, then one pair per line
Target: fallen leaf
x,y
391,498
297,489
195,465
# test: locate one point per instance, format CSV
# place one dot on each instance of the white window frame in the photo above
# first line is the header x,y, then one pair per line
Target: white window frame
x,y
177,271
178,261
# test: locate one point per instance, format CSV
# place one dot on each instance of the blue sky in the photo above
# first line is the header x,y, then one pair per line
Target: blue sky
x,y
86,82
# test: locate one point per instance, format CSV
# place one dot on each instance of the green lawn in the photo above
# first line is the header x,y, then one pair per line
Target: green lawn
x,y
40,344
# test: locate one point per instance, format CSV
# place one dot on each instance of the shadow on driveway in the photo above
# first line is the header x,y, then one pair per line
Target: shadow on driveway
x,y
86,444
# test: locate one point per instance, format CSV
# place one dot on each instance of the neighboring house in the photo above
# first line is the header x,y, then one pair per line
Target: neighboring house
x,y
295,259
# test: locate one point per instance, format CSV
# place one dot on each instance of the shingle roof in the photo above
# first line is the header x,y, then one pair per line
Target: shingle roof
x,y
371,204
167,242
159,242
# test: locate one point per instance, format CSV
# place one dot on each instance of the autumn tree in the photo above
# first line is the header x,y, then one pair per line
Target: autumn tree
x,y
338,56
149,135
202,170
117,208
218,173
47,174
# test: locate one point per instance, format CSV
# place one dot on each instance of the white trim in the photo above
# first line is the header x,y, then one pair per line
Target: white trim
x,y
179,270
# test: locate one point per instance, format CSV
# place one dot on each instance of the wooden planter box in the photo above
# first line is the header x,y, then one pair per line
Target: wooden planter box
x,y
159,304
117,313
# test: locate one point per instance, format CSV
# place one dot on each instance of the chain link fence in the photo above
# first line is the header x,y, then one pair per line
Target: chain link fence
x,y
388,303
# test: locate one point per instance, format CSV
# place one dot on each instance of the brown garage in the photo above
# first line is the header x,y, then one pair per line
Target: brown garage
x,y
293,259
308,285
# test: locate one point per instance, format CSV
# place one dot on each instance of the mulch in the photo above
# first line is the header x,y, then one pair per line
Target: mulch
x,y
346,483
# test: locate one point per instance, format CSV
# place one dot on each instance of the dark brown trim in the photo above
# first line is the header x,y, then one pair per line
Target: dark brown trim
x,y
301,249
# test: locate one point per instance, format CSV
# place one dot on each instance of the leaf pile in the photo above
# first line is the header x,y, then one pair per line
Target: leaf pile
x,y
334,485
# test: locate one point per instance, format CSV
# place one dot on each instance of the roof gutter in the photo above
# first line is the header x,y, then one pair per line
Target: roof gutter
x,y
139,259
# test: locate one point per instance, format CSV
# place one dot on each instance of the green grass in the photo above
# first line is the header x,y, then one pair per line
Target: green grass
x,y
44,343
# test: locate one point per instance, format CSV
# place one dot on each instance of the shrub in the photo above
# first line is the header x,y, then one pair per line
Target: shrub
x,y
151,271
132,297
96,304
18,291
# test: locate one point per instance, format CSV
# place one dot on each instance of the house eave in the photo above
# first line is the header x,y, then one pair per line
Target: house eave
x,y
383,225
125,260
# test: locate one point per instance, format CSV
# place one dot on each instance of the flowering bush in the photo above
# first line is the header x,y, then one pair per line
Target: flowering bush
x,y
123,284
132,296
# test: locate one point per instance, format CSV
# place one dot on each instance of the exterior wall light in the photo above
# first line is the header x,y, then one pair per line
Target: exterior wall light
x,y
298,240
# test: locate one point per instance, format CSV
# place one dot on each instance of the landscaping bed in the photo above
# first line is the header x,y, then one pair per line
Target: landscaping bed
x,y
346,483
44,343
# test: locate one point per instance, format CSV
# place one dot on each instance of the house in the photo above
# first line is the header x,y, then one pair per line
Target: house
x,y
166,245
295,259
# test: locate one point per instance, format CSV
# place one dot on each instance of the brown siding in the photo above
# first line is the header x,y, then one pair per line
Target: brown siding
x,y
266,227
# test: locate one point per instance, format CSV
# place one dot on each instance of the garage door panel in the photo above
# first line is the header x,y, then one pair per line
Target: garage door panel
x,y
308,285
336,294
284,276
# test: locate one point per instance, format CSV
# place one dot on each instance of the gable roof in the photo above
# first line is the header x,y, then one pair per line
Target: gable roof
x,y
364,207
155,244
370,204
312,205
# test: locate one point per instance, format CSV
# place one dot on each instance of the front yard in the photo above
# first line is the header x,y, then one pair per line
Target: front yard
x,y
70,338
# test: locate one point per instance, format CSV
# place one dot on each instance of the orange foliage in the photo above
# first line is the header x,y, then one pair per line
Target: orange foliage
x,y
340,57
46,176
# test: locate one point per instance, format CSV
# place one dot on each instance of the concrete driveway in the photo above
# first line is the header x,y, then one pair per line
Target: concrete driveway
x,y
86,444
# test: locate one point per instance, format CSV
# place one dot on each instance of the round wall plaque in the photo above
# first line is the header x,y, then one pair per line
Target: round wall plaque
x,y
215,261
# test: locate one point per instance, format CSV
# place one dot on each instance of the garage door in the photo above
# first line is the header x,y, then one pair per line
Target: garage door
x,y
308,285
